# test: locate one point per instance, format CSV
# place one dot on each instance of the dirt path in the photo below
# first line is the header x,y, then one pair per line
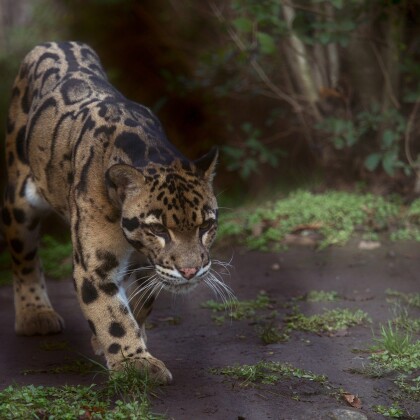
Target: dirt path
x,y
196,344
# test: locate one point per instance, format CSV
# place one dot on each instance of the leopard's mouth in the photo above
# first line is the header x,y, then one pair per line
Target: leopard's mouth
x,y
174,282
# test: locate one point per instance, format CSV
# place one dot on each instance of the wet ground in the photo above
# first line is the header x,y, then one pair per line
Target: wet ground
x,y
186,338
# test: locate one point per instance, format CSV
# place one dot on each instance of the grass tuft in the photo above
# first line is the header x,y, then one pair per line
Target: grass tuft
x,y
267,373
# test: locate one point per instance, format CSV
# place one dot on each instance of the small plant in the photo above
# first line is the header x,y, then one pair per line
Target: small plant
x,y
321,296
238,310
393,341
270,334
329,321
267,373
395,351
394,411
409,386
412,299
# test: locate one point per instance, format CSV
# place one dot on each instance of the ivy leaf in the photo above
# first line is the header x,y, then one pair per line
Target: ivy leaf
x,y
388,138
372,161
389,162
266,42
243,24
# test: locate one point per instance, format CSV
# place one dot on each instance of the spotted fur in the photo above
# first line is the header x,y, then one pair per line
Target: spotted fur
x,y
78,146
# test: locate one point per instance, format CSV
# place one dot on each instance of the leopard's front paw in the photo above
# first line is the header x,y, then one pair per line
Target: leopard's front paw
x,y
154,368
38,322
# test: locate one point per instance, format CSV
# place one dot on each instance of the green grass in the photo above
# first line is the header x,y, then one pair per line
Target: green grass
x,y
329,321
123,396
320,296
267,373
395,351
335,215
238,309
412,299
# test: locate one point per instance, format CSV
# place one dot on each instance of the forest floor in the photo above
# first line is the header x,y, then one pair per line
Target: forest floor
x,y
316,371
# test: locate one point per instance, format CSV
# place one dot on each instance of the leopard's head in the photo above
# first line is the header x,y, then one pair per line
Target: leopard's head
x,y
169,214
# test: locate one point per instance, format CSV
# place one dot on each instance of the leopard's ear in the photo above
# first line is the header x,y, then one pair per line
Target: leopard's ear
x,y
120,179
207,164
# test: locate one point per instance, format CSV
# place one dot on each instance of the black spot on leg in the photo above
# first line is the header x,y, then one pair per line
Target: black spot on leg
x,y
27,271
114,348
31,255
6,217
19,215
109,262
110,289
17,245
89,292
117,330
92,326
20,145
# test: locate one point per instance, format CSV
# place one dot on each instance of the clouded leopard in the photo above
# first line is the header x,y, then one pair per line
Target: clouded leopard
x,y
76,145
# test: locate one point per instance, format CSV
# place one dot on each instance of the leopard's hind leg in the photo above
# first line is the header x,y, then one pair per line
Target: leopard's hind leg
x,y
22,212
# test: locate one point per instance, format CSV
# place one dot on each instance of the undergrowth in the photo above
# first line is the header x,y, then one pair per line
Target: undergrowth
x,y
123,396
334,215
267,373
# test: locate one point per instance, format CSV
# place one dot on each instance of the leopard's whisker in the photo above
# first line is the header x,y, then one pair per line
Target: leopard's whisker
x,y
142,288
130,282
143,294
223,291
131,270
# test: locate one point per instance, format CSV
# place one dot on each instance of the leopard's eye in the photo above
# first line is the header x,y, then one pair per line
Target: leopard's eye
x,y
206,225
158,230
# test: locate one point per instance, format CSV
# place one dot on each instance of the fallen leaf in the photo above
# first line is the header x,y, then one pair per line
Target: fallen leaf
x,y
369,245
275,266
352,400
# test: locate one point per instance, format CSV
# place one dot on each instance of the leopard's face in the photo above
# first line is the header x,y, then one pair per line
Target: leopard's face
x,y
170,216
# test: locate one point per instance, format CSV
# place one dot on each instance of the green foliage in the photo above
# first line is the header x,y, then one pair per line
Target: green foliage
x,y
270,334
251,154
409,386
71,402
267,373
330,320
393,411
335,215
345,133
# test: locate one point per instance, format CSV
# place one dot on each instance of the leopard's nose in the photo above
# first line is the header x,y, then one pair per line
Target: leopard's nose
x,y
188,273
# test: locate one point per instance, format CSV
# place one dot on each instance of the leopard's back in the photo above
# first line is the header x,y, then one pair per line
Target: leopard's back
x,y
66,121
